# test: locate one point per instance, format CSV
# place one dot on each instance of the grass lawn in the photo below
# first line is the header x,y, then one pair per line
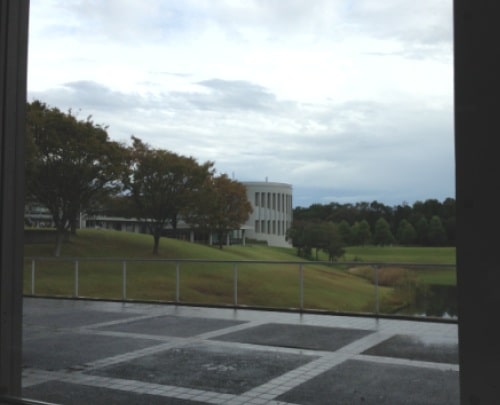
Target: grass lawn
x,y
401,254
101,255
415,255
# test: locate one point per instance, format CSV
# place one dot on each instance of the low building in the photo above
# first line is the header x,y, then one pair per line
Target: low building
x,y
268,223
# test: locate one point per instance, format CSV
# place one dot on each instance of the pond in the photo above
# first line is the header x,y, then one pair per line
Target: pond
x,y
433,300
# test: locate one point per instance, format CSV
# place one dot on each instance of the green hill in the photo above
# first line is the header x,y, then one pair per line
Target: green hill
x,y
206,274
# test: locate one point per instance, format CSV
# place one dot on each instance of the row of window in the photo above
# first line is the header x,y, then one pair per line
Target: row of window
x,y
275,201
271,227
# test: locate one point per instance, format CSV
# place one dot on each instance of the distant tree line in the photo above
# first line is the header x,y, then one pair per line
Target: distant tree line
x,y
425,223
72,167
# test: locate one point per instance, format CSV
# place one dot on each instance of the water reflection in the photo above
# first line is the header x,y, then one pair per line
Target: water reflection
x,y
433,300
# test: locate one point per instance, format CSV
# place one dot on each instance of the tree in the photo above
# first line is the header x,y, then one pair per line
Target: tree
x,y
334,244
436,233
317,237
345,232
449,220
382,235
221,206
402,211
406,234
299,234
361,233
161,183
422,228
418,215
308,235
70,164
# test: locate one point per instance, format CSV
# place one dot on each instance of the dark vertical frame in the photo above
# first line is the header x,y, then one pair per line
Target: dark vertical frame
x,y
477,162
14,15
477,95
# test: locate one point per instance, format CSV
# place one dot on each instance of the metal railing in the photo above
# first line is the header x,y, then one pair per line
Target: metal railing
x,y
235,266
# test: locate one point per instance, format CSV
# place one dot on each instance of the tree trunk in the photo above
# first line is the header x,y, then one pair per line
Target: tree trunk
x,y
59,241
174,225
73,227
156,245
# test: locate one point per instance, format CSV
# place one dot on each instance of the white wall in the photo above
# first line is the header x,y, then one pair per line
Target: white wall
x,y
272,212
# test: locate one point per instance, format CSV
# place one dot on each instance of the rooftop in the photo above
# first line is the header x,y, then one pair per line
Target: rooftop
x,y
81,352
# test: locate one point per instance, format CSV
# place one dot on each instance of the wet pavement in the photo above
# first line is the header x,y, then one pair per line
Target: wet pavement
x,y
95,352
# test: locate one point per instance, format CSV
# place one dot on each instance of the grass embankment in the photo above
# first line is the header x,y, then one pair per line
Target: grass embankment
x,y
275,285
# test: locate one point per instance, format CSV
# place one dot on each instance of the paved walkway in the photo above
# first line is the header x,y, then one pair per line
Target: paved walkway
x,y
94,352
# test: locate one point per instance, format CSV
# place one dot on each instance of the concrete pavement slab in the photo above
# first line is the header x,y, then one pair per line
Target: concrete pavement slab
x,y
102,352
297,336
73,350
360,382
75,394
207,367
72,318
417,348
172,326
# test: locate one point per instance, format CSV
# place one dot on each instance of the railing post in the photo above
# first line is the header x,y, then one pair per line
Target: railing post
x,y
124,281
76,278
375,281
32,276
235,284
301,286
177,282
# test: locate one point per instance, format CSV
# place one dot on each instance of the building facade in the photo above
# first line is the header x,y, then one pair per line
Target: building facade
x,y
269,221
272,212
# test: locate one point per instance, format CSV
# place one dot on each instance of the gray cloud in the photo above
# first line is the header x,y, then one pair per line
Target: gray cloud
x,y
362,148
425,21
87,94
119,20
357,140
234,94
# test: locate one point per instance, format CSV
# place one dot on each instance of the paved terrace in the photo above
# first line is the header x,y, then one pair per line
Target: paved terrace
x,y
94,352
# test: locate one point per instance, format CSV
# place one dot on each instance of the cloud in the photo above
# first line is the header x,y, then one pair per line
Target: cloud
x,y
89,95
425,22
342,99
233,94
358,146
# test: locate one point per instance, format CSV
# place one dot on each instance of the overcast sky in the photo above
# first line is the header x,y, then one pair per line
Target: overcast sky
x,y
347,100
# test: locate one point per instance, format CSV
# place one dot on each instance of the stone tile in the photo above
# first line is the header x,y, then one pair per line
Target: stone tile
x,y
72,318
209,354
296,336
173,326
417,348
64,350
207,367
355,382
75,394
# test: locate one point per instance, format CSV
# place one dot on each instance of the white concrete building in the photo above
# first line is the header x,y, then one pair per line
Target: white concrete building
x,y
272,212
269,221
